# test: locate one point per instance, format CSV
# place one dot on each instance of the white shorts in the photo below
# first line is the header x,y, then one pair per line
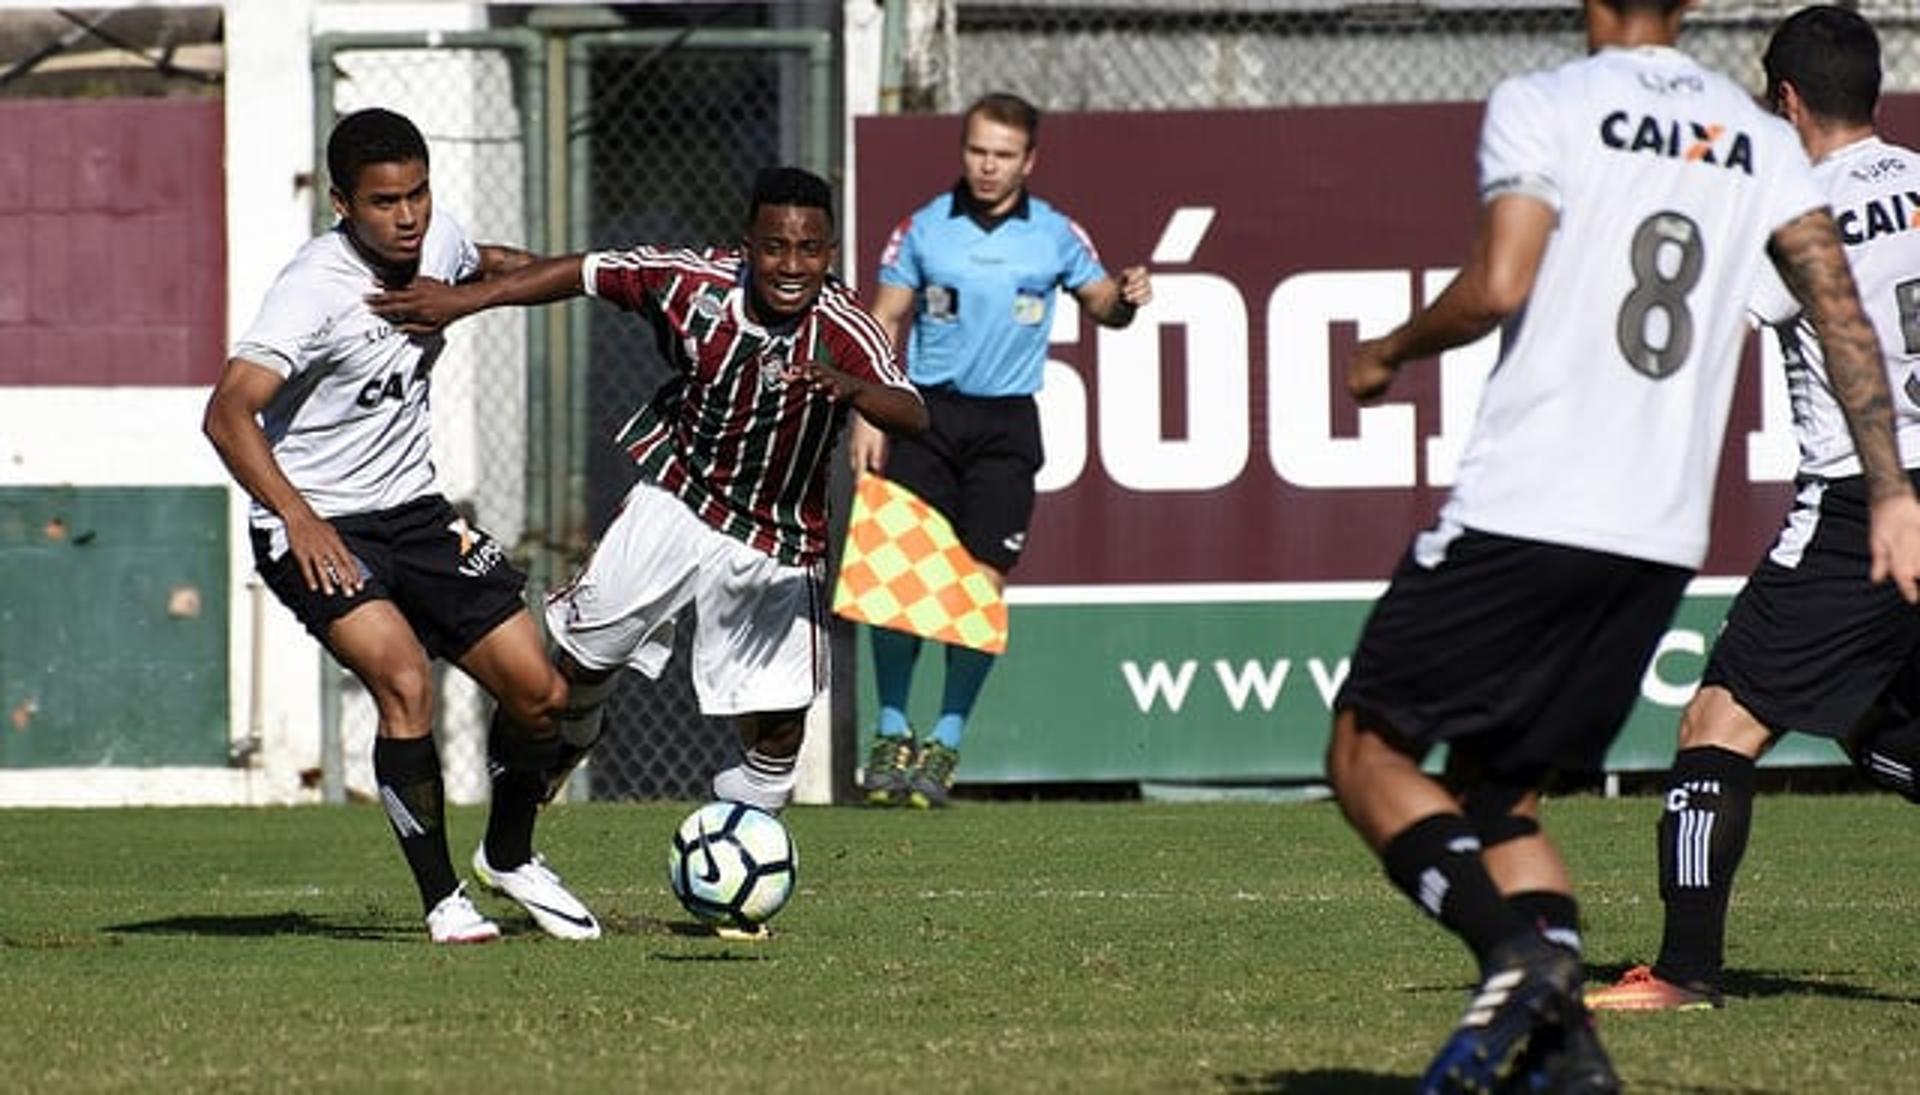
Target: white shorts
x,y
760,637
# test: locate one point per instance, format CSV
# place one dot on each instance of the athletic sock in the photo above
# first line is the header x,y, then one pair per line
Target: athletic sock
x,y
1436,862
408,772
771,774
1702,835
1556,916
894,653
518,763
1890,756
967,671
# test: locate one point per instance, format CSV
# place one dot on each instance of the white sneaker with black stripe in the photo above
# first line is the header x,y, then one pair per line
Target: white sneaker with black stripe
x,y
539,891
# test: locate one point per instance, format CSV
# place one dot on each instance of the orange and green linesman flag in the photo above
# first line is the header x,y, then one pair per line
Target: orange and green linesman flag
x,y
903,568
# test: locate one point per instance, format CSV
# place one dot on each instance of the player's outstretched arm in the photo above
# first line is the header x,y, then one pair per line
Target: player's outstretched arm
x,y
426,305
230,423
1496,280
1807,252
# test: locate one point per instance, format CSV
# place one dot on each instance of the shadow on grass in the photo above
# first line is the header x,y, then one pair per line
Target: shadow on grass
x,y
1759,984
260,925
1316,1081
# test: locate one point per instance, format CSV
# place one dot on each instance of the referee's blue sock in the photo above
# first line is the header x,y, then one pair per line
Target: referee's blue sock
x,y
967,671
894,653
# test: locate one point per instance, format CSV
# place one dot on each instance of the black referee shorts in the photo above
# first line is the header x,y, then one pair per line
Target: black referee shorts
x,y
452,581
1526,657
975,464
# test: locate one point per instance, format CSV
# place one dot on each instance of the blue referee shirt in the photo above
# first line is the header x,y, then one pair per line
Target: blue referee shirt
x,y
983,297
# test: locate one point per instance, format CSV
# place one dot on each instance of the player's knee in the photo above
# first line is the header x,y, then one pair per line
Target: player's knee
x,y
1713,718
539,705
403,694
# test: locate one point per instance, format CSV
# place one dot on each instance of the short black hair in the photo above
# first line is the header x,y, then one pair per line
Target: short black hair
x,y
790,186
1831,56
367,137
1007,109
1657,7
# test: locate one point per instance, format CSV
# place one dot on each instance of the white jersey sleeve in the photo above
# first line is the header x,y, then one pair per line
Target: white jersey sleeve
x,y
1601,427
1874,188
350,427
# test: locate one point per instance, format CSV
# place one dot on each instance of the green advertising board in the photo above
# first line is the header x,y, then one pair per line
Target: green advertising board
x,y
1230,691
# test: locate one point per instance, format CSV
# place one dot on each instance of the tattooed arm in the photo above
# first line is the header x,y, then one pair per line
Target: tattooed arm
x,y
1807,252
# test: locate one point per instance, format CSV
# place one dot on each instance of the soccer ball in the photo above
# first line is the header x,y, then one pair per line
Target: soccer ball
x,y
732,864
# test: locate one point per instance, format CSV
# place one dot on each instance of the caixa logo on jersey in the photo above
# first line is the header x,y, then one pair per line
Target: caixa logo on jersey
x,y
1695,142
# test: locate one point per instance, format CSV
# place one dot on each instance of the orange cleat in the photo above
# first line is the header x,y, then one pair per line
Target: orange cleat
x,y
1640,989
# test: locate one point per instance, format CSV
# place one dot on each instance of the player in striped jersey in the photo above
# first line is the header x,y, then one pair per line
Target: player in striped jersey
x,y
769,352
1810,644
321,414
1631,200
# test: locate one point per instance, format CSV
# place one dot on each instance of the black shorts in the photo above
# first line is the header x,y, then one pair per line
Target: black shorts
x,y
975,464
452,581
1526,657
1810,642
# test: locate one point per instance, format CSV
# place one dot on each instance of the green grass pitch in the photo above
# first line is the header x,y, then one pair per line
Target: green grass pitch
x,y
995,947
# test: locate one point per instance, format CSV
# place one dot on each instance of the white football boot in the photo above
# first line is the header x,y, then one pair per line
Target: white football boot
x,y
455,920
538,890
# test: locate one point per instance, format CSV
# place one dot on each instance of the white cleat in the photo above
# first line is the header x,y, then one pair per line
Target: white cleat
x,y
735,785
538,890
455,920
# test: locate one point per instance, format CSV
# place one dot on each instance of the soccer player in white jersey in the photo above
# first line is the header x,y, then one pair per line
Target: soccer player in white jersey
x,y
769,353
1631,200
1810,644
321,414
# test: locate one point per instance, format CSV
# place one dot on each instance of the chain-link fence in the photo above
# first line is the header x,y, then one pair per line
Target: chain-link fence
x,y
1211,54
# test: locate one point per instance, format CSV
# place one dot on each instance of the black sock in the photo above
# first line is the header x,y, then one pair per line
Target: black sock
x,y
519,763
1556,916
1436,862
408,772
1890,756
1703,834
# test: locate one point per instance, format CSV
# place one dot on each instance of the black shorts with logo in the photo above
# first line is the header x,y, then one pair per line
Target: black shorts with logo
x,y
975,464
1811,642
1526,657
452,581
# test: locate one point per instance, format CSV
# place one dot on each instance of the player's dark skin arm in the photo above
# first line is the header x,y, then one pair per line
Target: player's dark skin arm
x,y
1498,277
231,424
426,305
894,410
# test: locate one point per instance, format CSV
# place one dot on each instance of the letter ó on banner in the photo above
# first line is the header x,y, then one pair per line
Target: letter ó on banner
x,y
1212,449
1659,689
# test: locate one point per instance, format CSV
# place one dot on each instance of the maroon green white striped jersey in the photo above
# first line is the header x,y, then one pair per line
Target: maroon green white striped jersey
x,y
735,434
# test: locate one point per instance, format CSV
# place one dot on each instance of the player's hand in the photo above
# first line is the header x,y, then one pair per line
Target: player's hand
x,y
324,560
824,380
1893,536
421,307
1371,370
1136,288
866,447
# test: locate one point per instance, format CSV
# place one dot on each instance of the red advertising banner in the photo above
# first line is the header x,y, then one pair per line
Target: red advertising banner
x,y
1213,441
